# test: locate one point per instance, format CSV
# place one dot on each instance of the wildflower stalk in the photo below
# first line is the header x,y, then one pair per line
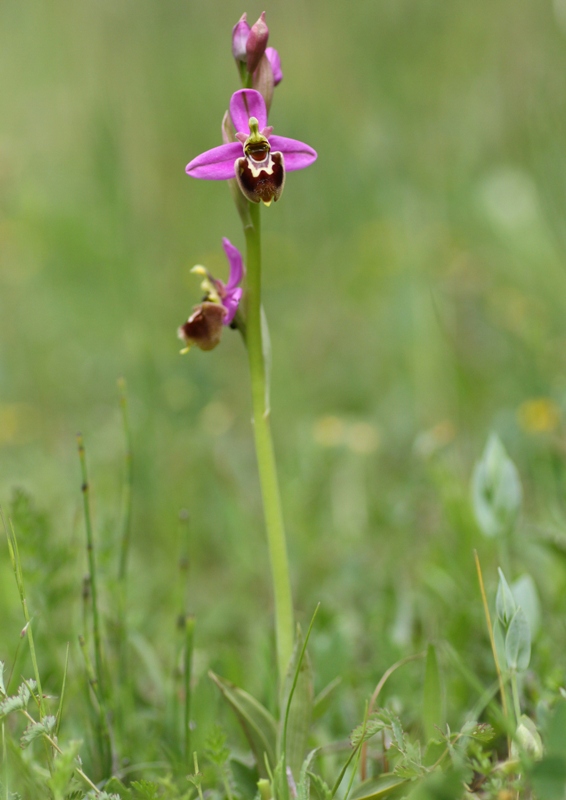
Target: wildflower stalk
x,y
284,625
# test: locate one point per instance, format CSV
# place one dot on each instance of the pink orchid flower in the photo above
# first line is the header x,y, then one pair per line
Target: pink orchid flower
x,y
258,160
219,306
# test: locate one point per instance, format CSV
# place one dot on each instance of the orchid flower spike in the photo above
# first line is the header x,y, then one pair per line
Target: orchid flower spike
x,y
258,160
219,306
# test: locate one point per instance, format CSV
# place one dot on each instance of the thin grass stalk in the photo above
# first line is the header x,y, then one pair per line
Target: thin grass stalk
x,y
103,729
91,568
123,698
62,697
188,674
126,517
376,692
493,648
284,625
18,574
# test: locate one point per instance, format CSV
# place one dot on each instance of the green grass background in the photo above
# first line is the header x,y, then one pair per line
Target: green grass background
x,y
415,284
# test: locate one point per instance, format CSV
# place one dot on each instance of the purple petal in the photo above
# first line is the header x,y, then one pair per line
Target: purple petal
x,y
236,264
298,155
231,303
275,62
245,104
216,164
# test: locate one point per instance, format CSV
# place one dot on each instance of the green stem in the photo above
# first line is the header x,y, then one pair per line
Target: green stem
x,y
91,566
515,693
284,625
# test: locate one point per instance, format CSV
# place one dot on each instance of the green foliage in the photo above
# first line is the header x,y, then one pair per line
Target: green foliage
x,y
496,490
433,715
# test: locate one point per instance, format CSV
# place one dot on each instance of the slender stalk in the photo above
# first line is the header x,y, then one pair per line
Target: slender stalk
x,y
18,573
188,673
123,693
91,566
96,677
284,625
493,647
515,694
127,489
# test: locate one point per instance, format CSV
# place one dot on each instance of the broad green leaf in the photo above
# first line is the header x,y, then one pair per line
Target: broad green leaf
x,y
375,788
499,639
433,717
518,642
496,490
527,740
505,604
555,731
300,712
257,723
526,595
548,778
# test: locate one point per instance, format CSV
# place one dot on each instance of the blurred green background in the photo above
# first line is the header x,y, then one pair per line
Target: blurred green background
x,y
415,287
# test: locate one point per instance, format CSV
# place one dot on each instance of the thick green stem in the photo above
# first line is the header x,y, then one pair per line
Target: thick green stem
x,y
284,625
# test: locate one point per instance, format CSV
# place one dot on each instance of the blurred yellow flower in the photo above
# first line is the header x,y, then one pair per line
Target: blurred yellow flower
x,y
539,415
15,423
328,431
359,437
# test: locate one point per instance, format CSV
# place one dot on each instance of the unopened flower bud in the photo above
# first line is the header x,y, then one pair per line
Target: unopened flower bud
x,y
204,326
257,42
275,63
240,34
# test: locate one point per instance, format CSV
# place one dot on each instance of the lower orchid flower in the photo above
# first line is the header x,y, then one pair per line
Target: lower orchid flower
x,y
258,160
219,306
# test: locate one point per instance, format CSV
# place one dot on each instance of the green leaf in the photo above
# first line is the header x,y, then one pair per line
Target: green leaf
x,y
118,789
480,731
321,789
496,490
527,740
505,605
322,700
303,786
19,700
299,719
548,777
518,642
555,731
433,717
37,729
365,731
2,687
145,790
526,596
257,723
64,767
375,788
